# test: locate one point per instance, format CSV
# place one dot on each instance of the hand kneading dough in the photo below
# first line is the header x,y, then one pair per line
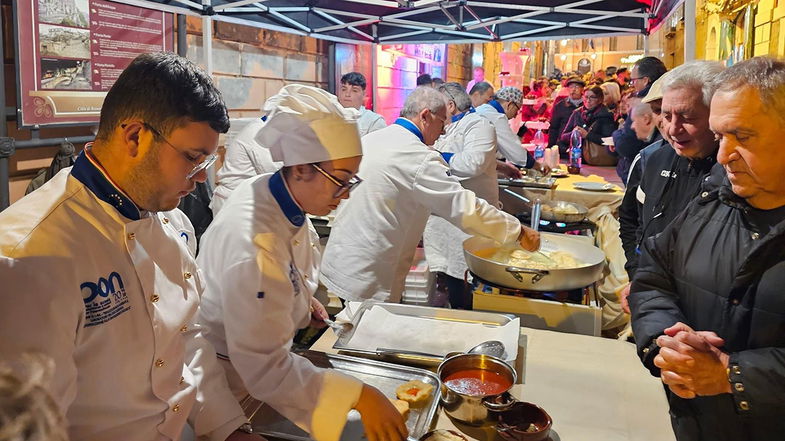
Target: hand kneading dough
x,y
414,392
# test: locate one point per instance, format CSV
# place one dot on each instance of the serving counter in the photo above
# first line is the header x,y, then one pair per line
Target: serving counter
x,y
595,389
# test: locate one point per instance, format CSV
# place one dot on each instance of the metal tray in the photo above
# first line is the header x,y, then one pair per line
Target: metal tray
x,y
529,182
407,357
383,376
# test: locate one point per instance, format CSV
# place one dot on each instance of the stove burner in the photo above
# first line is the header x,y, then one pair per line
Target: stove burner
x,y
480,285
560,227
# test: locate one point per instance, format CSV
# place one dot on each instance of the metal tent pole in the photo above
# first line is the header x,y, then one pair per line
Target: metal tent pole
x,y
6,143
182,36
689,30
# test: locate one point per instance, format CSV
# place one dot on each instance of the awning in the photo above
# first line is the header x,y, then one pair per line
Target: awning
x,y
421,21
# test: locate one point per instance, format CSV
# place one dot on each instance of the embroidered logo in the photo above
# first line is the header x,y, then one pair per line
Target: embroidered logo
x,y
294,278
104,299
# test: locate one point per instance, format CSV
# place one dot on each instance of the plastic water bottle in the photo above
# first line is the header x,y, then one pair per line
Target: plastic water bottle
x,y
539,145
576,142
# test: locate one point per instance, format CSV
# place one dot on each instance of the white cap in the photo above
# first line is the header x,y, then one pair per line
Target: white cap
x,y
306,124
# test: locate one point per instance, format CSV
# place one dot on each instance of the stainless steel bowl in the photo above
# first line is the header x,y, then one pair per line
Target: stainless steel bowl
x,y
472,409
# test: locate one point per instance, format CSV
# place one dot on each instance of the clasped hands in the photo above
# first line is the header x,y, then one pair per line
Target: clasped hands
x,y
691,362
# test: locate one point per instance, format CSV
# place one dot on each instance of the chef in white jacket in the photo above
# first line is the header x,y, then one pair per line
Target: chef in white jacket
x,y
376,232
261,256
98,273
499,111
244,158
351,94
469,148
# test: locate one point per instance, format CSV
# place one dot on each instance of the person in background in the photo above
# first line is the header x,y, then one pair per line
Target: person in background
x,y
623,77
592,121
117,306
437,82
478,76
611,97
644,123
469,148
499,111
27,410
644,73
376,231
706,301
261,260
244,158
351,95
480,94
424,80
672,175
563,109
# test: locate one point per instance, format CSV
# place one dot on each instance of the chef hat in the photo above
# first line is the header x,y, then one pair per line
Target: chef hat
x,y
306,124
655,91
509,93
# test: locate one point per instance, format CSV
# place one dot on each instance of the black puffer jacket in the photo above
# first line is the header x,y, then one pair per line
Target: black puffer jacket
x,y
598,122
667,184
720,266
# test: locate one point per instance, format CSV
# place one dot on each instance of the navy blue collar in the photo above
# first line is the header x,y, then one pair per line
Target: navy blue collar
x,y
89,172
289,207
495,104
408,125
264,118
458,117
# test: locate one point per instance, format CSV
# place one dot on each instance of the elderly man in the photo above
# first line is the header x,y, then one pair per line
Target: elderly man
x,y
469,147
707,298
670,176
563,109
376,232
481,93
478,76
644,123
351,94
499,111
98,269
644,73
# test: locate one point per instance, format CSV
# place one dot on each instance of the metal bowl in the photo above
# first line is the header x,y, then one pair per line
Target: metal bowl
x,y
563,211
471,409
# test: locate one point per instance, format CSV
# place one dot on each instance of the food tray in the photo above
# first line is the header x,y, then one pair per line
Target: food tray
x,y
383,376
529,182
342,344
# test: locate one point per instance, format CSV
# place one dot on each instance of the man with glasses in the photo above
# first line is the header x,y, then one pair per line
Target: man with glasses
x,y
563,109
261,258
644,73
376,232
499,112
98,270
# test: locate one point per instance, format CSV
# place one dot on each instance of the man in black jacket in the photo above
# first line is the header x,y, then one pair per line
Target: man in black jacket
x,y
644,73
671,175
562,111
707,303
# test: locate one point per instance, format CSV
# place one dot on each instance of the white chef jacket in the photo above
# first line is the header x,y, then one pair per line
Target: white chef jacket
x,y
472,141
376,231
261,257
244,158
369,121
509,145
111,294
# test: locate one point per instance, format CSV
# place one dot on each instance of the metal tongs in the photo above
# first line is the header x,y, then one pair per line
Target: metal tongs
x,y
535,217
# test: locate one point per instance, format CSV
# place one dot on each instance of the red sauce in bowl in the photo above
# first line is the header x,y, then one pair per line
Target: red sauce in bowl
x,y
478,382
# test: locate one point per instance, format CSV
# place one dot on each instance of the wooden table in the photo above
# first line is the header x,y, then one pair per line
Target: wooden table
x,y
595,389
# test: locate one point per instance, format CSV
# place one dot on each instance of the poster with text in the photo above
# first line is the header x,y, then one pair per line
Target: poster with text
x,y
70,52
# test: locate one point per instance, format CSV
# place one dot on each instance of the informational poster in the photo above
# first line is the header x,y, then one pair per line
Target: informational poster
x,y
70,52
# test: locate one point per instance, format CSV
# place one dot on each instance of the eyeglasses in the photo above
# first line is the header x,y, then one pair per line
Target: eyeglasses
x,y
343,187
198,165
591,97
636,79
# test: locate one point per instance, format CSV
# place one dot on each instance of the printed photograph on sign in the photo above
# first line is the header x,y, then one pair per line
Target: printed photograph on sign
x,y
66,74
58,41
64,12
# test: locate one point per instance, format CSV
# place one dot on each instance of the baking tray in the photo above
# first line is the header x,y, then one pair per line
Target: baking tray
x,y
383,376
407,357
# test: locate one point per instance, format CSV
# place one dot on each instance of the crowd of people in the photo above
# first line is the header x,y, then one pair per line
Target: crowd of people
x,y
102,276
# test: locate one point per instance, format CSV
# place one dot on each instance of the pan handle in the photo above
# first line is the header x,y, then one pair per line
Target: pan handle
x,y
537,274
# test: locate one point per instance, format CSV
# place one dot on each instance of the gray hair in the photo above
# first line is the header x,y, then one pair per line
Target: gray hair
x,y
764,74
27,411
697,75
456,93
641,109
481,87
421,98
